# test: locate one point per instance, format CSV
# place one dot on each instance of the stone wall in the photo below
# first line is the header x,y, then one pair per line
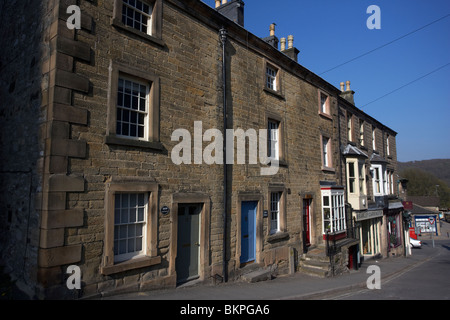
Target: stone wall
x,y
21,156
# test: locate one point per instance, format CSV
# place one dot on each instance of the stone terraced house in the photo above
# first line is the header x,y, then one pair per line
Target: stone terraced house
x,y
114,138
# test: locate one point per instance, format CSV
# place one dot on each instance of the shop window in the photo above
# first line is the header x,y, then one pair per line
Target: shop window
x,y
333,210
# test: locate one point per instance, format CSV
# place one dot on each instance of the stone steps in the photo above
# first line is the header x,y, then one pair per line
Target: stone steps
x,y
315,263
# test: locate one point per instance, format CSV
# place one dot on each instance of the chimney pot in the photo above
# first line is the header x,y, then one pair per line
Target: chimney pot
x,y
272,29
224,1
342,86
217,3
348,85
283,44
290,42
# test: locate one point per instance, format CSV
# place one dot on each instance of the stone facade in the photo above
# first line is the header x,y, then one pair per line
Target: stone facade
x,y
77,163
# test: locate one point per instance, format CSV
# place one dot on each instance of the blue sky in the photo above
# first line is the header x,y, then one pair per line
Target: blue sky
x,y
329,33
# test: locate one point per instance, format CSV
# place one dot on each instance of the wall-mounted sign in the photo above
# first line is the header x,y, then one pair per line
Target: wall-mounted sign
x,y
265,213
365,215
165,210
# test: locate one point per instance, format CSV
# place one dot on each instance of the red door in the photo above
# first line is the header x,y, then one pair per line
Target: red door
x,y
306,221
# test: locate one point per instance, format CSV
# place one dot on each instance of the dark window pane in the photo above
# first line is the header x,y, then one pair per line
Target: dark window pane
x,y
126,116
133,132
140,131
133,117
120,99
135,103
141,119
142,104
125,129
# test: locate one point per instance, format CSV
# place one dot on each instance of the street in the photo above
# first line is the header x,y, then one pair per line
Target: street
x,y
429,280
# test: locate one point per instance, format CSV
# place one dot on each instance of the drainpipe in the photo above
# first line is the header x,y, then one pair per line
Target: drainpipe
x,y
223,39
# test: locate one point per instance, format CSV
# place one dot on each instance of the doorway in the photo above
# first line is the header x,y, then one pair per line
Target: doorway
x,y
248,231
188,242
307,222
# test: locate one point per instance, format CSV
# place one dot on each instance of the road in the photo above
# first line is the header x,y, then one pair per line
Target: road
x,y
429,280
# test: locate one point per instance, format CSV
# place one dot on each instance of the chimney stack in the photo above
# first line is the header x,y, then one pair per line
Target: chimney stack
x,y
348,93
233,10
291,51
272,39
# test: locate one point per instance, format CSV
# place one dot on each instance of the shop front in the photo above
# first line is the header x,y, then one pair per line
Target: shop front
x,y
369,222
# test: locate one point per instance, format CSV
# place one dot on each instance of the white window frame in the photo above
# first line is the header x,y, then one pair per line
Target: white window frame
x,y
362,177
132,6
124,224
273,139
271,78
130,110
378,179
374,144
275,207
333,211
349,127
326,152
388,152
352,184
390,184
324,103
361,132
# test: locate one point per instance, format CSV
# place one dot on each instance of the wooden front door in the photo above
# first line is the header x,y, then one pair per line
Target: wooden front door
x,y
306,221
248,231
188,243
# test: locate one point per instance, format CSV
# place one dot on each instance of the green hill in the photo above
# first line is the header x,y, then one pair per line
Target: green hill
x,y
440,168
428,178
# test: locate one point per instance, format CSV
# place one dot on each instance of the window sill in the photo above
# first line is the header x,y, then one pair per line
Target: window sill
x,y
130,265
115,140
328,169
156,40
279,236
325,115
281,163
274,93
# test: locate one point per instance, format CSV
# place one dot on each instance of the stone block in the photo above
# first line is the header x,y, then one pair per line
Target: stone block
x,y
49,276
62,218
71,80
62,182
74,48
51,238
68,147
59,256
70,114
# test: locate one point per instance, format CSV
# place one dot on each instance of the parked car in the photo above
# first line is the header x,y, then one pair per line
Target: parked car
x,y
415,243
413,234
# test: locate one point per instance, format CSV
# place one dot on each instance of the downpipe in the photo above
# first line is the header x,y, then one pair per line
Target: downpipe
x,y
223,38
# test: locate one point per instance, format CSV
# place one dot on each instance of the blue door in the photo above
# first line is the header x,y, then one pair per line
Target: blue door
x,y
248,231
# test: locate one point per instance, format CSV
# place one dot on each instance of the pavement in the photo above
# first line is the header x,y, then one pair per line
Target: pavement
x,y
300,286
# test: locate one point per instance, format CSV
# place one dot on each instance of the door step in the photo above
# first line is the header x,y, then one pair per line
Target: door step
x,y
255,272
257,276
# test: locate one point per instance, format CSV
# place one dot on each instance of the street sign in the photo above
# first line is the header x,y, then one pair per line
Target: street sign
x,y
431,219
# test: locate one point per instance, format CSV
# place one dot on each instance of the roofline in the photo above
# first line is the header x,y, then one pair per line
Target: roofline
x,y
213,19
